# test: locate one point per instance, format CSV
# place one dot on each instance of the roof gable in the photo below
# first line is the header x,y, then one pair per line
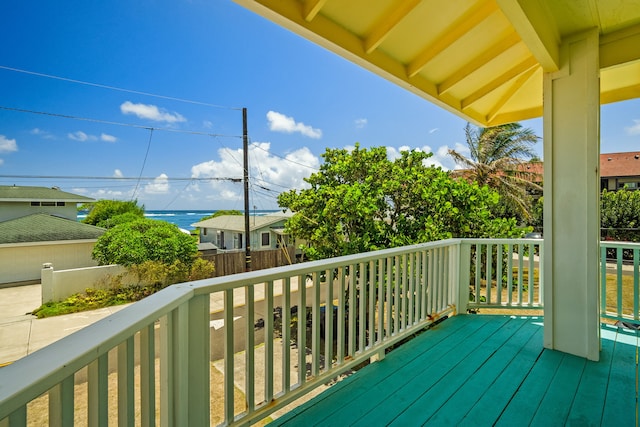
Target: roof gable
x,y
620,164
13,193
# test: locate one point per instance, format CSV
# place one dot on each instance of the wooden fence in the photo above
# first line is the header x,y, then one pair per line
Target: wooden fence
x,y
234,262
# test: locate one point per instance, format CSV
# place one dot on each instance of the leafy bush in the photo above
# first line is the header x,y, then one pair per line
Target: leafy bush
x,y
109,213
145,240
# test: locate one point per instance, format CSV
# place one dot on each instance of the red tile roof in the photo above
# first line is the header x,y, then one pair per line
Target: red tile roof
x,y
620,164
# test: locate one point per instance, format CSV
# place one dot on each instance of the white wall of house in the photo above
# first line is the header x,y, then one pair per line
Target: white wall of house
x,y
23,261
13,210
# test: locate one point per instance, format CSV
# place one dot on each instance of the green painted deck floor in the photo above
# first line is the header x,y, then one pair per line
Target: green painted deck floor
x,y
482,370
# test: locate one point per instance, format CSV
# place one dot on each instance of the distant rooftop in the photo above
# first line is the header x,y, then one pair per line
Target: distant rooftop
x,y
14,193
45,228
236,222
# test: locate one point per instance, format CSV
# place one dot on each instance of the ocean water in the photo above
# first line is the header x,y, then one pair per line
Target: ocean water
x,y
182,218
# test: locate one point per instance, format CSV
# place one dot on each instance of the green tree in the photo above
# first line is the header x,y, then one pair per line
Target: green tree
x,y
361,201
109,213
497,157
620,215
221,213
145,240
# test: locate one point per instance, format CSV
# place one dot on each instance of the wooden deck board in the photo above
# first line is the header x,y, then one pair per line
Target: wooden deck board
x,y
484,370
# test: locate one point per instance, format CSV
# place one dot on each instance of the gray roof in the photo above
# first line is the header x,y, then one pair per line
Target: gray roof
x,y
45,228
236,222
13,193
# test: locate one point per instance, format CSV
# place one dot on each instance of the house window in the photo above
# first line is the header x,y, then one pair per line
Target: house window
x,y
48,203
35,203
60,204
265,239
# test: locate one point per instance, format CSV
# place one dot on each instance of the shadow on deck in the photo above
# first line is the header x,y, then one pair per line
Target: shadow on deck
x,y
483,370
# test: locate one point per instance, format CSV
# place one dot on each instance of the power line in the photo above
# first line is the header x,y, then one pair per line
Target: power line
x,y
144,162
136,92
106,122
255,144
119,178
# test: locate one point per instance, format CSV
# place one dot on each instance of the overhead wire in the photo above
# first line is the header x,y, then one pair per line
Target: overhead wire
x,y
102,86
106,122
144,162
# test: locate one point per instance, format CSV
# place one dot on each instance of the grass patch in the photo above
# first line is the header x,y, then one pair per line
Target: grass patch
x,y
93,299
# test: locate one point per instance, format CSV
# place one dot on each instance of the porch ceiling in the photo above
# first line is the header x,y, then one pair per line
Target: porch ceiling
x,y
481,59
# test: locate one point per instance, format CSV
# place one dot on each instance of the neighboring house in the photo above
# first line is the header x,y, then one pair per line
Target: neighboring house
x,y
227,232
39,225
618,170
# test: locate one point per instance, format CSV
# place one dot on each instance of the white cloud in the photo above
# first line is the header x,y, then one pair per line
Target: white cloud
x,y
360,123
160,185
151,112
274,173
117,173
108,138
1,162
81,136
280,123
7,145
635,129
440,157
434,130
42,133
207,124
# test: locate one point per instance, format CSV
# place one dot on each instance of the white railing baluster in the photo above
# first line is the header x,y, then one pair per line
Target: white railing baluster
x,y
389,301
126,411
228,357
510,274
499,249
286,335
61,403
352,310
98,391
249,350
371,291
362,304
520,273
328,322
315,326
341,324
380,310
302,330
489,272
198,373
531,271
147,376
396,297
268,343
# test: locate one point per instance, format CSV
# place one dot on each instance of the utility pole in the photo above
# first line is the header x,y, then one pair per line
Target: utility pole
x,y
245,151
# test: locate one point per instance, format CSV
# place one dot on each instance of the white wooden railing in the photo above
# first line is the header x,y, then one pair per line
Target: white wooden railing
x,y
508,276
619,284
152,361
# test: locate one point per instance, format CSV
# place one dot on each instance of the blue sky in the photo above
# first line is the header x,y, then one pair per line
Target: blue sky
x,y
300,99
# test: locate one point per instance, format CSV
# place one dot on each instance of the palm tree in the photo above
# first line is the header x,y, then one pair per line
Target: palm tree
x,y
498,157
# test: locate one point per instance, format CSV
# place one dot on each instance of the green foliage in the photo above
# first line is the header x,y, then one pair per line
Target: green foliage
x,y
145,240
221,213
93,299
361,201
157,273
109,213
152,276
619,213
497,156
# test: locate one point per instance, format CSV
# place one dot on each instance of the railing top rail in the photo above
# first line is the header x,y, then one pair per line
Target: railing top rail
x,y
623,245
222,283
505,241
31,376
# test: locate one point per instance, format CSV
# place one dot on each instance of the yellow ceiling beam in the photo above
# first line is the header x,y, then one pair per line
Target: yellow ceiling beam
x,y
476,63
494,84
470,19
620,47
516,116
537,28
311,9
517,84
621,94
391,19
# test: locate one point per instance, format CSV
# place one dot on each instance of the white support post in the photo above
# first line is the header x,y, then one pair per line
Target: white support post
x,y
571,199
